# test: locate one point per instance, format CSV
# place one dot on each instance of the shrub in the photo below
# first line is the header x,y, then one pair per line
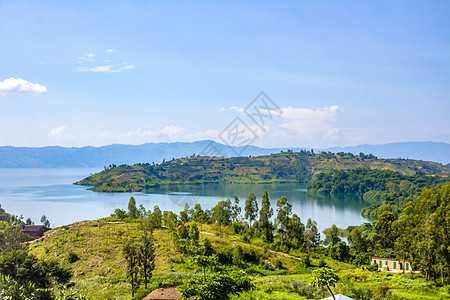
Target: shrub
x,y
72,257
322,263
215,287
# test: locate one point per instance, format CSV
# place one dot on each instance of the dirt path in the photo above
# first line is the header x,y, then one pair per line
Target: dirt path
x,y
166,292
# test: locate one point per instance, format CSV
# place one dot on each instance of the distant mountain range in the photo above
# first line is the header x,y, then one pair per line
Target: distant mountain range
x,y
60,157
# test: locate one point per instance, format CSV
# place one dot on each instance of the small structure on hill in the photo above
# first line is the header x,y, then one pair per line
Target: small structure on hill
x,y
35,230
391,265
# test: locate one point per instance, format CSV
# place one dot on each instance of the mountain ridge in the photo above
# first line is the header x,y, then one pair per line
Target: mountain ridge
x,y
89,156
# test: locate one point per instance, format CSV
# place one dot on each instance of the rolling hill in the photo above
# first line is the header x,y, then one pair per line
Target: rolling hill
x,y
275,168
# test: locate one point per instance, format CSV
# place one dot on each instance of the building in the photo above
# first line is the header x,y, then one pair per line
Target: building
x,y
35,230
391,265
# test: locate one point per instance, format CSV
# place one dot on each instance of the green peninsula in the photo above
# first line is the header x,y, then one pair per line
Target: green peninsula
x,y
282,167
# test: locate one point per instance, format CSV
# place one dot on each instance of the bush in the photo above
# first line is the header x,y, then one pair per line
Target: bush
x,y
215,287
322,263
279,264
72,257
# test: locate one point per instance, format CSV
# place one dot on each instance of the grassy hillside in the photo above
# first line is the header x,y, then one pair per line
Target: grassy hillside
x,y
275,168
92,250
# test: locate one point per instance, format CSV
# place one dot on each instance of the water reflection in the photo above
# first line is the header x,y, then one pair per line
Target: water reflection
x,y
34,192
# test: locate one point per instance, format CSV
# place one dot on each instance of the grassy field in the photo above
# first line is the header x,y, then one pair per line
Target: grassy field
x,y
92,250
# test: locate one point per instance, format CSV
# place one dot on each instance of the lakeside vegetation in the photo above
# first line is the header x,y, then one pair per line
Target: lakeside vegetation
x,y
281,256
282,167
381,189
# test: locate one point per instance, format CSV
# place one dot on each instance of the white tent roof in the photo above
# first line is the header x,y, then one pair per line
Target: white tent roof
x,y
339,297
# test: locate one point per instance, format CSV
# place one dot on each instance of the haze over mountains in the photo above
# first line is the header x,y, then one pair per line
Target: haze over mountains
x,y
60,157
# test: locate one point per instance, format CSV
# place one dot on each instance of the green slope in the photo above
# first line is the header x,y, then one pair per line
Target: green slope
x,y
275,168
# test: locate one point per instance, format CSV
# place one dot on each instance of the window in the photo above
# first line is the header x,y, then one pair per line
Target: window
x,y
407,267
386,263
381,264
395,265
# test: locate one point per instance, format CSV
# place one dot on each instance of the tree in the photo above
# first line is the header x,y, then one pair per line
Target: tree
x,y
131,254
235,210
221,213
156,217
251,208
312,235
205,262
199,215
24,269
119,213
358,243
284,210
339,251
384,236
324,277
132,210
193,236
12,239
146,256
332,236
185,215
45,221
296,231
170,220
141,211
429,220
265,214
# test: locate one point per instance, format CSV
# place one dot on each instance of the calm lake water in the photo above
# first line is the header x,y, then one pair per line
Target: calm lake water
x,y
36,192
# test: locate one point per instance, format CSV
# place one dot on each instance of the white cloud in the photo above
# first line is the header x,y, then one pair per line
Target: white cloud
x,y
58,132
311,123
109,50
237,109
90,55
21,85
222,108
105,69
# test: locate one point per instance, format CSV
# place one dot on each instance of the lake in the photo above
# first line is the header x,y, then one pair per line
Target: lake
x,y
36,192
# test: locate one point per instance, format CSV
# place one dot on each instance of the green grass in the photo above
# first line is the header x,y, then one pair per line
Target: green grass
x,y
92,250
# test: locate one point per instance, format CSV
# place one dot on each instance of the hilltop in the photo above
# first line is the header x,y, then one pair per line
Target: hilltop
x,y
275,168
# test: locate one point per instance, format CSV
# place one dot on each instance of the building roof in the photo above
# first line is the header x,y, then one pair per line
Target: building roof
x,y
34,228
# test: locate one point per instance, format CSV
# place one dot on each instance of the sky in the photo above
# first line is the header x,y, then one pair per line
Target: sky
x,y
332,73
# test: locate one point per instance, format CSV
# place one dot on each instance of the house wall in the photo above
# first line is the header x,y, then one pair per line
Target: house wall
x,y
391,265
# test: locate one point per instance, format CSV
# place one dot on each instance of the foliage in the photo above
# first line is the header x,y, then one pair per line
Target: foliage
x,y
251,208
332,236
324,277
45,221
131,254
146,256
265,213
132,209
12,239
205,262
215,287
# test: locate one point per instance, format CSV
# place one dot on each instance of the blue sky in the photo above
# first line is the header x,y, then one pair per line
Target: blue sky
x,y
342,73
